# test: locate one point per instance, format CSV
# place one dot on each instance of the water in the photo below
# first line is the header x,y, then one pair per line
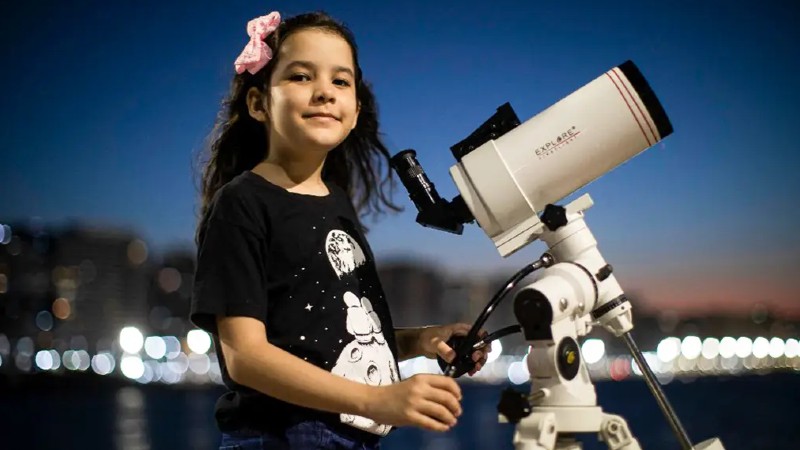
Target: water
x,y
747,412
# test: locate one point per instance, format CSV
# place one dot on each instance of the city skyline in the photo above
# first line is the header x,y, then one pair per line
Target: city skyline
x,y
103,124
60,271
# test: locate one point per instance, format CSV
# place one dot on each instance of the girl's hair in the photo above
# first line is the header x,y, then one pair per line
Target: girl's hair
x,y
239,142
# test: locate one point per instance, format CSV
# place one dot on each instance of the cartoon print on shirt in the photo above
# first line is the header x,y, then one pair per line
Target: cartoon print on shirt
x,y
367,359
344,253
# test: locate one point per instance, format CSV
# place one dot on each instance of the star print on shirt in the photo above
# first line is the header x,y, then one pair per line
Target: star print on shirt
x,y
308,306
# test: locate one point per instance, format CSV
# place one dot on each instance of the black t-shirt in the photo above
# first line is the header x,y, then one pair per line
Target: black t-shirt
x,y
299,263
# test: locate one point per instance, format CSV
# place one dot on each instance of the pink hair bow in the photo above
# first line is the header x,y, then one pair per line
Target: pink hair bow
x,y
256,53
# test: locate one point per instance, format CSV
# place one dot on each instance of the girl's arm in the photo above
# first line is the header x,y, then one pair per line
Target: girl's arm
x,y
427,401
252,361
407,343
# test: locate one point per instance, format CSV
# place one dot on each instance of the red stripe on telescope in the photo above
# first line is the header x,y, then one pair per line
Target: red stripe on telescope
x,y
629,109
644,116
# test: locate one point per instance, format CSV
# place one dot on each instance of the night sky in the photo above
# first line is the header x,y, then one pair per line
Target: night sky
x,y
106,106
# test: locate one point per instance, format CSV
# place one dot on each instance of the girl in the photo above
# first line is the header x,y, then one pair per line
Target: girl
x,y
285,280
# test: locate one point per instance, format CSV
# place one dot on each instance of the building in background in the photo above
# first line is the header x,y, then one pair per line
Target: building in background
x,y
26,265
72,288
414,291
170,293
100,277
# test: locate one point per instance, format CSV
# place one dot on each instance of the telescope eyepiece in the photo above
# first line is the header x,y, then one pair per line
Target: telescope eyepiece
x,y
434,211
420,188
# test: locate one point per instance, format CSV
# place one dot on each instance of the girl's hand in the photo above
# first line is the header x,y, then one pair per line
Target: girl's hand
x,y
431,402
432,342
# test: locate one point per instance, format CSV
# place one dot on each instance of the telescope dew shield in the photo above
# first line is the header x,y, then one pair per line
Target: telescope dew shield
x,y
508,181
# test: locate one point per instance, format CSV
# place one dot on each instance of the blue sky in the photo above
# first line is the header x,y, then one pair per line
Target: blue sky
x,y
106,104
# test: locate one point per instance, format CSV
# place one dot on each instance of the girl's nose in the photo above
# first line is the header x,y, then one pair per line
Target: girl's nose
x,y
324,93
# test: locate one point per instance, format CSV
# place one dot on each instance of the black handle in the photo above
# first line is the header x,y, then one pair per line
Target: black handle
x,y
463,362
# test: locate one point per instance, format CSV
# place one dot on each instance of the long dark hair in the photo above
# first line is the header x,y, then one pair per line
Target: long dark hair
x,y
239,142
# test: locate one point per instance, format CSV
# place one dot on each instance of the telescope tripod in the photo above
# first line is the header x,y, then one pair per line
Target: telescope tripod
x,y
554,427
576,291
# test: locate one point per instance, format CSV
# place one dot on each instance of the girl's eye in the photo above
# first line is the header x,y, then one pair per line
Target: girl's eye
x,y
299,77
341,82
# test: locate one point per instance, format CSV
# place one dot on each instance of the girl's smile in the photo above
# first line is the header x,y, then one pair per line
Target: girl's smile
x,y
312,96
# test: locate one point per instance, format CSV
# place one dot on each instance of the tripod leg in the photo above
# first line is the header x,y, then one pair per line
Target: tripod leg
x,y
615,433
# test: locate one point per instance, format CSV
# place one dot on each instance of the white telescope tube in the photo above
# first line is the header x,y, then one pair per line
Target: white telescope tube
x,y
507,182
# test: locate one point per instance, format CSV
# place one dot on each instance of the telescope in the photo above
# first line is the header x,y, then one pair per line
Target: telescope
x,y
510,176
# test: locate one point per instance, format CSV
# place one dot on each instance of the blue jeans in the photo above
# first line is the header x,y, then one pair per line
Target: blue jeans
x,y
310,435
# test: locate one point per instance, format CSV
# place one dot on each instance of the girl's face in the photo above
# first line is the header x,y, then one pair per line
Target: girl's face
x,y
312,104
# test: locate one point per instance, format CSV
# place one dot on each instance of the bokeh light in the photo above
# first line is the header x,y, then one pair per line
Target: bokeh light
x,y
155,347
744,347
518,372
103,363
691,346
169,279
173,346
668,349
25,346
619,369
727,347
44,360
198,341
792,348
44,320
61,308
137,252
652,361
776,346
132,367
131,340
710,348
199,364
179,364
76,360
5,234
495,352
23,362
593,350
760,347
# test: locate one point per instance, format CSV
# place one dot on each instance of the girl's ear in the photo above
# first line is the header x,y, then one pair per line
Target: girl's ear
x,y
256,105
